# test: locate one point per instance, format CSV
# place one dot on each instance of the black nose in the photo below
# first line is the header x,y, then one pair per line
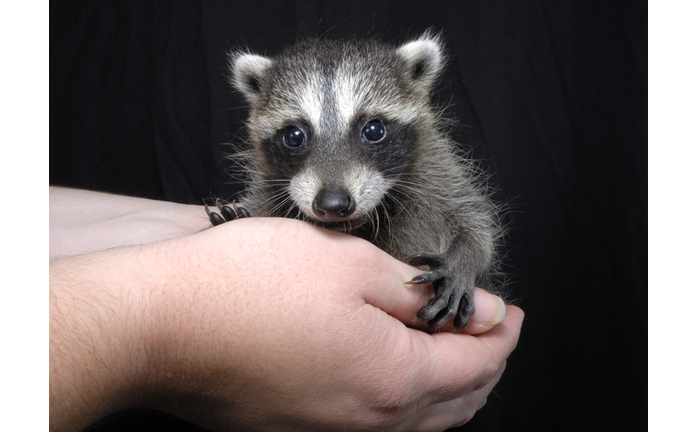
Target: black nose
x,y
333,205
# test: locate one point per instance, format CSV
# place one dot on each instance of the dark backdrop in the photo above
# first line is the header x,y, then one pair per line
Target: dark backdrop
x,y
550,95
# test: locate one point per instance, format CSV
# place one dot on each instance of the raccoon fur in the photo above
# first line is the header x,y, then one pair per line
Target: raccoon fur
x,y
343,134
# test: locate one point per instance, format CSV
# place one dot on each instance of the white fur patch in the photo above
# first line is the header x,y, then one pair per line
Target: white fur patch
x,y
304,186
403,114
352,95
347,95
367,186
304,103
310,102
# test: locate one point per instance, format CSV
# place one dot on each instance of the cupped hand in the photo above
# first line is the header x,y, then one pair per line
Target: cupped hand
x,y
274,324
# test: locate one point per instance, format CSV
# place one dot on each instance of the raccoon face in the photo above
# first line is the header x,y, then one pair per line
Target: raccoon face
x,y
335,123
342,180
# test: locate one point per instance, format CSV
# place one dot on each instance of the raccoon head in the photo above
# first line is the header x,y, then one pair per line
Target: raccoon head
x,y
334,124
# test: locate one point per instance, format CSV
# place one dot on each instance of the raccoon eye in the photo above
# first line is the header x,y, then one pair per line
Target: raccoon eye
x,y
374,131
294,137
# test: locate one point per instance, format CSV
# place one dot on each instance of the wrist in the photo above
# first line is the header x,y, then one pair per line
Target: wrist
x,y
182,334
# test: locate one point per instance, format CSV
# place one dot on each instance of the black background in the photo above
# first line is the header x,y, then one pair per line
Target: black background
x,y
550,95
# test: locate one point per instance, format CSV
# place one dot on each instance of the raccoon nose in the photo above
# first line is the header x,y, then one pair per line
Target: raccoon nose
x,y
333,206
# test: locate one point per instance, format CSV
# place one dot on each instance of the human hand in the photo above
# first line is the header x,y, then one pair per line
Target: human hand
x,y
274,324
83,221
303,329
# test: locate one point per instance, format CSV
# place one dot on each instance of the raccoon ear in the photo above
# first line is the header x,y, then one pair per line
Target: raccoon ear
x,y
424,58
248,74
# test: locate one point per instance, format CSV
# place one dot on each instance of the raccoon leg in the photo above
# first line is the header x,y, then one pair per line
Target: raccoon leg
x,y
454,292
228,213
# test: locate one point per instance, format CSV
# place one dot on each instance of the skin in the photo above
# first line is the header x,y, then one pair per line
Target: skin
x,y
263,324
84,221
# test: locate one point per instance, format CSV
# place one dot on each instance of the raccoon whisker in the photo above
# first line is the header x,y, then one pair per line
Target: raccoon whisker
x,y
403,207
373,215
272,195
292,207
411,190
401,180
269,186
273,181
396,170
300,215
387,217
281,195
282,203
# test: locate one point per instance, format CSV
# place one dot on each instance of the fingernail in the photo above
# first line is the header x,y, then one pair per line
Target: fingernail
x,y
501,312
490,309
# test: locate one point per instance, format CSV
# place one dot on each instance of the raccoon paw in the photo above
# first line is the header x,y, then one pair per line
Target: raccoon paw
x,y
228,213
453,294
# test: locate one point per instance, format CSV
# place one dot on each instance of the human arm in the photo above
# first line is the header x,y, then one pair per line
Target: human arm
x,y
85,221
270,323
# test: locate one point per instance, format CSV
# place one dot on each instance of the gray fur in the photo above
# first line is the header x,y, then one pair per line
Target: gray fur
x,y
421,196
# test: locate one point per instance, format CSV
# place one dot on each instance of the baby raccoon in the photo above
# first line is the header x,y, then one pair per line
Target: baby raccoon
x,y
343,135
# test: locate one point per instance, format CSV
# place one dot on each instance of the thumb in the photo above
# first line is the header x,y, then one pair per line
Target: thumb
x,y
490,311
388,291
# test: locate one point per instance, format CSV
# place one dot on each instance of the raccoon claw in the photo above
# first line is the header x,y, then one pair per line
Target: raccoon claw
x,y
228,213
214,218
419,280
453,296
436,264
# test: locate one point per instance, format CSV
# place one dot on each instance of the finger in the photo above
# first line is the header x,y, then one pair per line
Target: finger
x,y
385,288
459,411
490,311
458,363
404,303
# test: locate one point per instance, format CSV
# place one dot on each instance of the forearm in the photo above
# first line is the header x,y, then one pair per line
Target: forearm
x,y
95,343
85,221
123,326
